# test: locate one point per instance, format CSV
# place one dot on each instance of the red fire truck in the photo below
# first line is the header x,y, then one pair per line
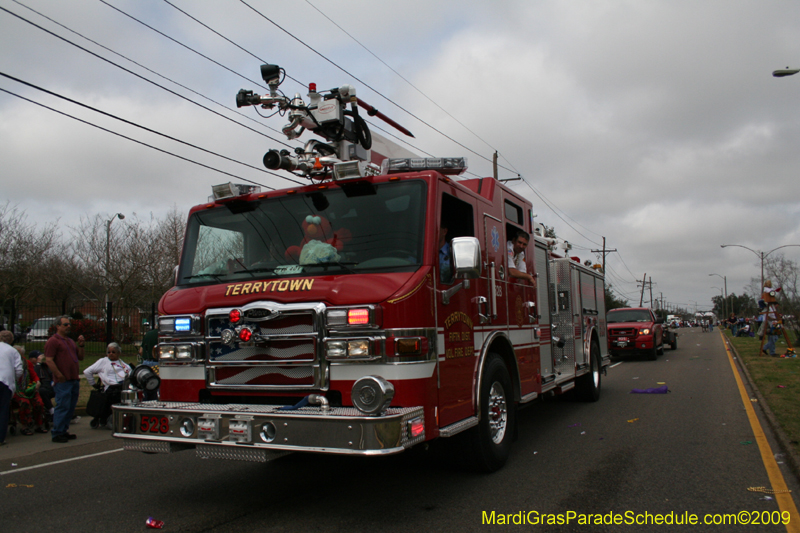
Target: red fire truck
x,y
365,313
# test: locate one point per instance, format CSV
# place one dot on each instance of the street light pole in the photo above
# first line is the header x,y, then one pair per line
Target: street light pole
x,y
725,282
108,264
724,310
760,255
108,247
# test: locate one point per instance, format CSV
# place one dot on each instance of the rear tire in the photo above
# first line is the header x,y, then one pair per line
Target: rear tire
x,y
491,439
588,385
674,344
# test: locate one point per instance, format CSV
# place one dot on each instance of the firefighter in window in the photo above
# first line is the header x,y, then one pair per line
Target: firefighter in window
x,y
516,257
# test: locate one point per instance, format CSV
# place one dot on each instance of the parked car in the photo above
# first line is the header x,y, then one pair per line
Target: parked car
x,y
635,330
39,330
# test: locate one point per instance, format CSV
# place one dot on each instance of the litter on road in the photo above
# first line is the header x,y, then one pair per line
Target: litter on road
x,y
655,390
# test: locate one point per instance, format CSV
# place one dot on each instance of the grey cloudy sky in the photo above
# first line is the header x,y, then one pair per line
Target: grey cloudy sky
x,y
655,124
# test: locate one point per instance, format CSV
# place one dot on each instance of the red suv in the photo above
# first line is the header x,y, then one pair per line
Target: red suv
x,y
634,330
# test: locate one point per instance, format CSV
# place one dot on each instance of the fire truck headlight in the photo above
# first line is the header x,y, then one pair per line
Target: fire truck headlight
x,y
340,349
358,348
183,352
166,352
645,331
372,395
336,349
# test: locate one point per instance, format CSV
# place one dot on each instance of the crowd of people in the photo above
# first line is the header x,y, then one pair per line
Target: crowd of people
x,y
39,393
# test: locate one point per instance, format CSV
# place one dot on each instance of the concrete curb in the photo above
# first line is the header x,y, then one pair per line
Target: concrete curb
x,y
791,456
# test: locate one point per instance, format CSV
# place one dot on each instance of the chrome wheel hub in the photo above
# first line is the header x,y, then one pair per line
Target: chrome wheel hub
x,y
498,413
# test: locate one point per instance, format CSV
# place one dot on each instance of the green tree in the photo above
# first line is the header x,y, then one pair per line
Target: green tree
x,y
613,301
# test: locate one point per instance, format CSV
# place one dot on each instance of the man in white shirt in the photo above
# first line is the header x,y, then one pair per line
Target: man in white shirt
x,y
110,369
112,373
516,257
10,372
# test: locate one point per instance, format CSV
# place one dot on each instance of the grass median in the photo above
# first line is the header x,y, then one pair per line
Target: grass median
x,y
777,379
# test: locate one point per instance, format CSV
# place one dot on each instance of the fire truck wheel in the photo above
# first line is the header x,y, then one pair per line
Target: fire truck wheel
x,y
588,385
674,344
491,439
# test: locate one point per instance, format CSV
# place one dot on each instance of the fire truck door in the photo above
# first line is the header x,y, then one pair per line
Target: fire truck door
x,y
494,244
563,326
521,302
458,320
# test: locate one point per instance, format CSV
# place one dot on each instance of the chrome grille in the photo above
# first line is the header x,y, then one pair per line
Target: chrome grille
x,y
283,351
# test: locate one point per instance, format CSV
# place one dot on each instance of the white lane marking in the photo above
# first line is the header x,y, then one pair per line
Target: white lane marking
x,y
615,364
58,462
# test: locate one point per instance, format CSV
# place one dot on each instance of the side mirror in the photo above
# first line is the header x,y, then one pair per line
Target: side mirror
x,y
466,257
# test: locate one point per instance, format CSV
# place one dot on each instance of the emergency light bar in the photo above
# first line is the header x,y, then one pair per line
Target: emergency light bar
x,y
230,190
451,166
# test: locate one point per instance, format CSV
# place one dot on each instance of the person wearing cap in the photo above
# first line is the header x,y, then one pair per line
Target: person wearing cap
x,y
10,372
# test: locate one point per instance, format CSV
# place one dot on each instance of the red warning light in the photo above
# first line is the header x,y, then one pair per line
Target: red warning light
x,y
245,334
358,316
235,315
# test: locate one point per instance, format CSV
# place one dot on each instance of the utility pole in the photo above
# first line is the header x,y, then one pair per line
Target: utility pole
x,y
644,282
604,252
651,291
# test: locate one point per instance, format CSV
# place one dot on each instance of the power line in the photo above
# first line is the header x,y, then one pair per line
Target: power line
x,y
140,76
144,127
135,140
182,44
201,95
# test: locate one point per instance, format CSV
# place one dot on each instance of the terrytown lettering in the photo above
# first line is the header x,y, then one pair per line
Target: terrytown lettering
x,y
278,285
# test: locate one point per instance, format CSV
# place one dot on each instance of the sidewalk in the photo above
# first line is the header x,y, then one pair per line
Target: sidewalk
x,y
21,445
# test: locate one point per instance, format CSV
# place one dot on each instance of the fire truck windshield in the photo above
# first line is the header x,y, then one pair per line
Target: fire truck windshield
x,y
327,231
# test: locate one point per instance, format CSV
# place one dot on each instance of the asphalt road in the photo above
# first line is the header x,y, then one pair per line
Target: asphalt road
x,y
690,451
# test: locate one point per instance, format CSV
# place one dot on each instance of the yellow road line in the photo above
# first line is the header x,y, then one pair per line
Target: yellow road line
x,y
785,500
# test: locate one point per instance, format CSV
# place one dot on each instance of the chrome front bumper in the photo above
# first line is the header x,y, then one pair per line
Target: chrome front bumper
x,y
263,432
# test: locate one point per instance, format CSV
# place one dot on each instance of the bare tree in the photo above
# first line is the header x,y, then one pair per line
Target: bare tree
x,y
24,249
142,256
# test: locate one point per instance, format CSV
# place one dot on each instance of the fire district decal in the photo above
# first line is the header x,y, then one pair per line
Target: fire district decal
x,y
458,336
278,285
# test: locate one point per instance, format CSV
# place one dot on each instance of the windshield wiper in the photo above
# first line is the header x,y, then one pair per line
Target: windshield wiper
x,y
345,265
215,276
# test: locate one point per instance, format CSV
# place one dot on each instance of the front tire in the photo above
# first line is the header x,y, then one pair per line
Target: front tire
x,y
653,355
491,438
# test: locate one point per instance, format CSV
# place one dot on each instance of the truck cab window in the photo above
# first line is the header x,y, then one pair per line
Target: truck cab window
x,y
456,221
